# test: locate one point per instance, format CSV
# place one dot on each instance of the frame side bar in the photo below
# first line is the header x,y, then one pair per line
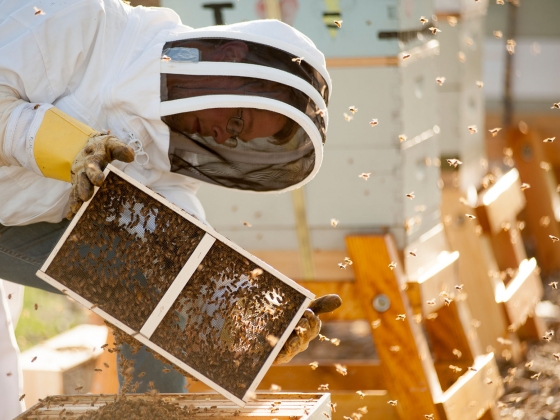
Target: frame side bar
x,y
177,286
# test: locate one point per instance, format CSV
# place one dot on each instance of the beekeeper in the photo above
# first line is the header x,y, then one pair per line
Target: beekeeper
x,y
88,82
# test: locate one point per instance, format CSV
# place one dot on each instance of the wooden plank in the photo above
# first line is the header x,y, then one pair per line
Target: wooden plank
x,y
474,265
350,310
401,345
507,246
107,383
501,203
300,377
325,264
542,199
439,277
522,294
474,392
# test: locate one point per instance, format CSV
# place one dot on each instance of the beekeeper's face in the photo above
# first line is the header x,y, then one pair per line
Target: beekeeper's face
x,y
216,122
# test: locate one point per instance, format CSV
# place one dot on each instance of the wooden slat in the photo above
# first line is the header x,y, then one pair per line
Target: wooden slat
x,y
361,375
474,264
401,345
508,248
522,294
471,396
542,199
501,203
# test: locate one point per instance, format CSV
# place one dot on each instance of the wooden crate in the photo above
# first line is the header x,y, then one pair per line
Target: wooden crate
x,y
208,405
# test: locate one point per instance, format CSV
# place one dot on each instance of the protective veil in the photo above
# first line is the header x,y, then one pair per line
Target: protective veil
x,y
108,65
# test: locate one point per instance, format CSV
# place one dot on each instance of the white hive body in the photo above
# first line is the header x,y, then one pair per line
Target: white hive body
x,y
175,285
365,60
461,101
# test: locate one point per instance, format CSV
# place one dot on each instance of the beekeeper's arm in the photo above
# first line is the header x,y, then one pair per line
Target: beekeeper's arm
x,y
50,143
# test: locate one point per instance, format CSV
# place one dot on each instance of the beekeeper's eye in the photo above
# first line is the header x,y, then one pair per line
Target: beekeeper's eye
x,y
235,124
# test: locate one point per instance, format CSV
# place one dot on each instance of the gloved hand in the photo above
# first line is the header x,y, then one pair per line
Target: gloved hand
x,y
89,164
308,327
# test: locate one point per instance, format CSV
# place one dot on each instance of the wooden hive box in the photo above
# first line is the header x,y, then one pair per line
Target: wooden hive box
x,y
290,406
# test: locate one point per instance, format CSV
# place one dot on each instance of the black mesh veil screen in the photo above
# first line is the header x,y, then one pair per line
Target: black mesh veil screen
x,y
125,252
223,321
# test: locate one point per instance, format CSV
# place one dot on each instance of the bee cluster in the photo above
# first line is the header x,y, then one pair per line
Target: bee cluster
x,y
125,252
221,320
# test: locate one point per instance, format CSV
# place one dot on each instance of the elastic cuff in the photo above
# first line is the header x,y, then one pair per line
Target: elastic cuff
x,y
58,141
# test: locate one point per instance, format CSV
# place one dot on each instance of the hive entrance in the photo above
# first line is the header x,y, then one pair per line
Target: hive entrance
x,y
176,285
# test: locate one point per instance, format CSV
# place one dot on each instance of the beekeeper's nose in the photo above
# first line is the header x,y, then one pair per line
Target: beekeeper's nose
x,y
220,134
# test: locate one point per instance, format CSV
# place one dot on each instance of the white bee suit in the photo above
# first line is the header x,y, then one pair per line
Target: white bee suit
x,y
78,57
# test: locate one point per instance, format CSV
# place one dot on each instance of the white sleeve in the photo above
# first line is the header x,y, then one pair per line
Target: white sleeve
x,y
19,134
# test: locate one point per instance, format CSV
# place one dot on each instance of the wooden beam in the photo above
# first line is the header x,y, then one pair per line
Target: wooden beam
x,y
401,345
474,393
543,202
474,265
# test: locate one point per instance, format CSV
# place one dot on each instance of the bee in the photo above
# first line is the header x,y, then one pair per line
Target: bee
x,y
461,56
35,358
10,296
333,407
404,57
459,286
165,58
549,140
529,364
314,365
36,306
457,352
22,397
423,20
555,105
335,341
498,34
141,374
410,195
472,129
431,302
472,369
98,370
495,131
429,416
297,60
554,284
401,317
554,238
78,388
536,376
363,410
402,138
440,80
36,106
447,301
375,324
434,30
323,338
347,117
9,374
365,176
455,369
374,122
412,253
338,23
454,162
470,216
510,46
361,394
452,20
38,12
275,388
503,341
392,265
392,403
247,224
500,2
353,109
323,387
342,266
348,261
525,186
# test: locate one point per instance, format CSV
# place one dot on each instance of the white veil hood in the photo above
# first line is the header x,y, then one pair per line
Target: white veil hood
x,y
282,72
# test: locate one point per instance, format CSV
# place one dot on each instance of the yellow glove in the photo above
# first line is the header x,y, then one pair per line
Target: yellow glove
x,y
307,328
68,150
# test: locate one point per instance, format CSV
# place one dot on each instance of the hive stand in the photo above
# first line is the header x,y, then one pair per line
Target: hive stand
x,y
537,163
519,287
406,371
